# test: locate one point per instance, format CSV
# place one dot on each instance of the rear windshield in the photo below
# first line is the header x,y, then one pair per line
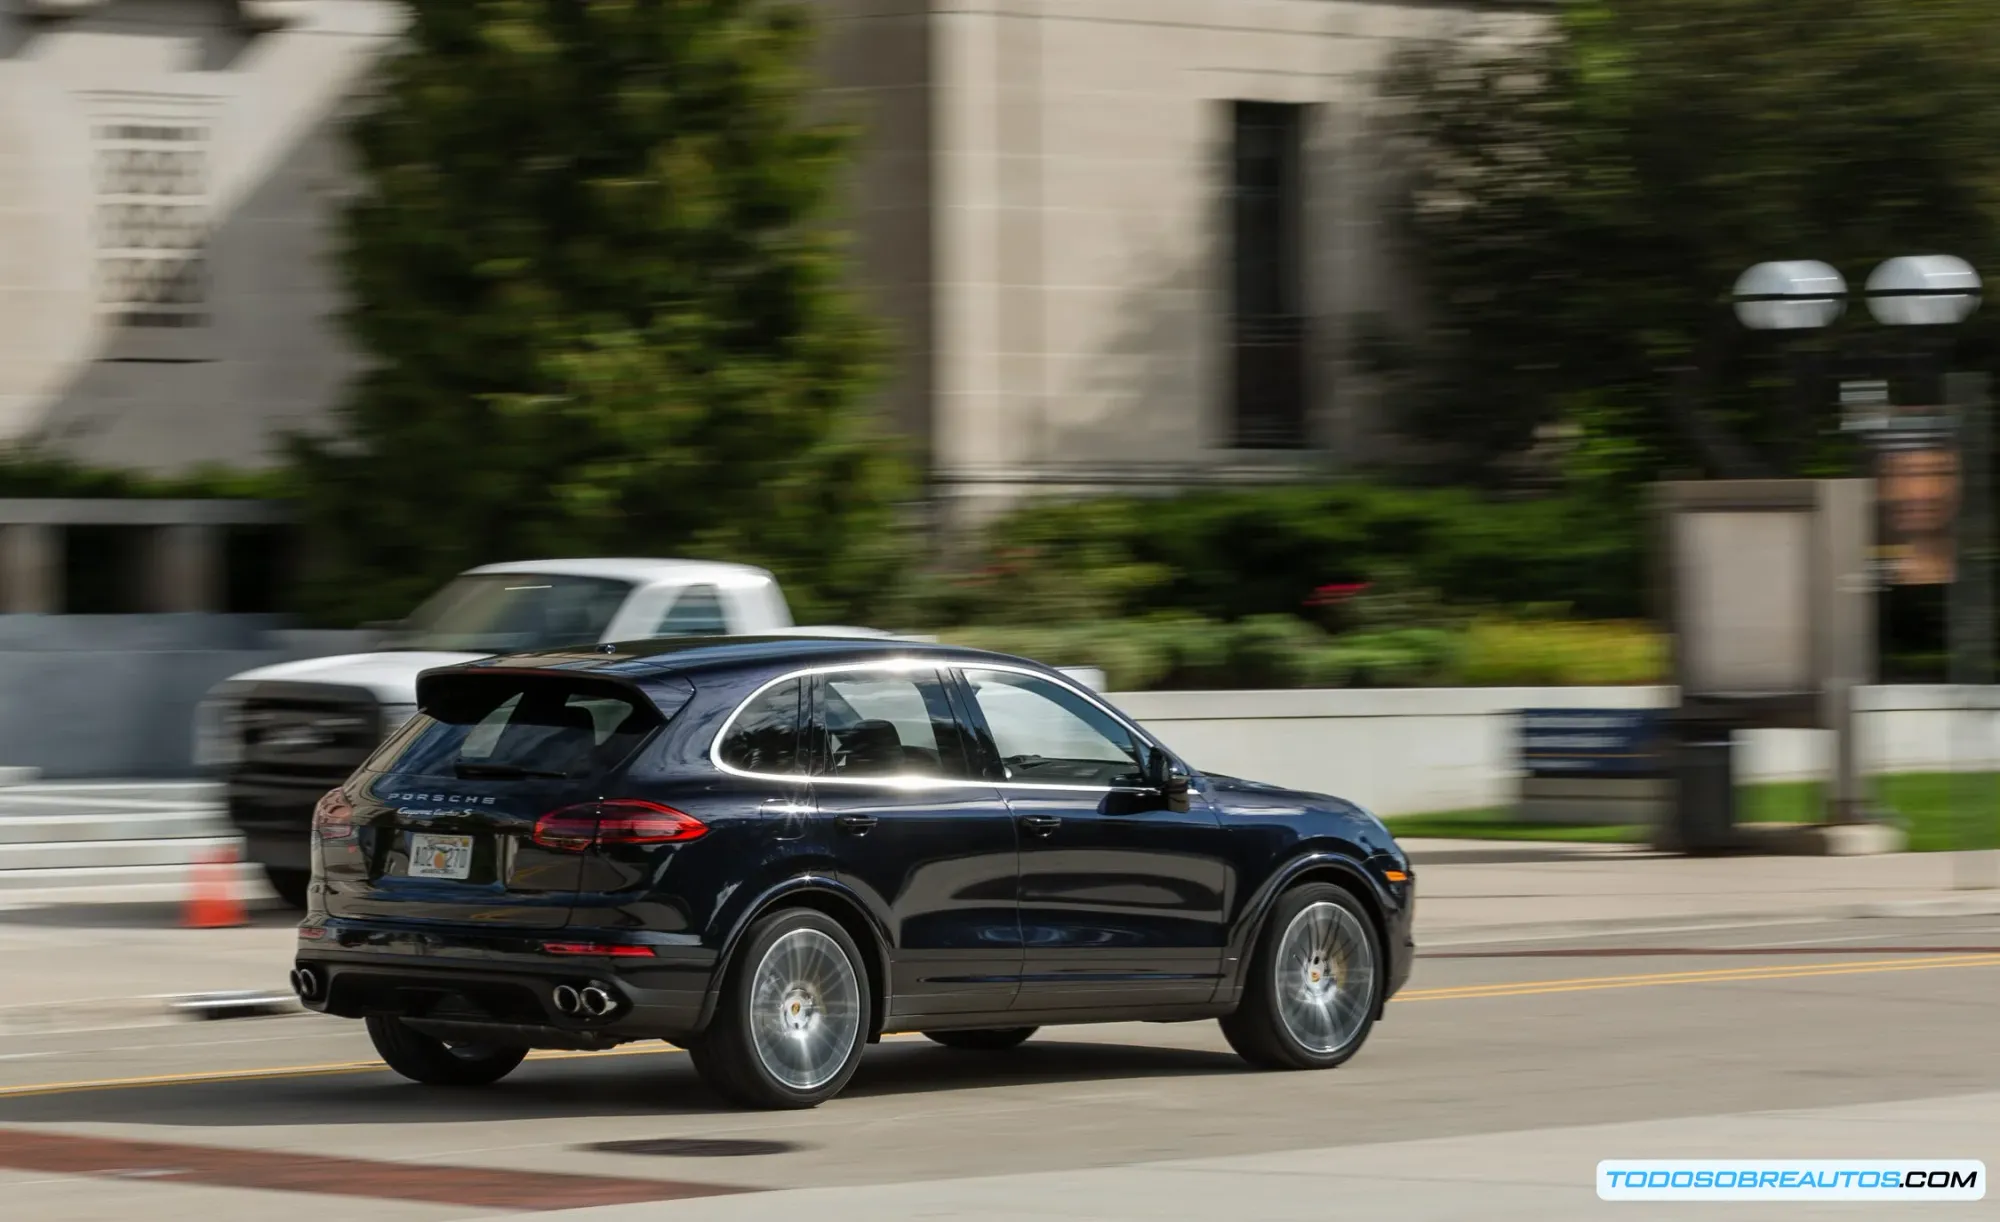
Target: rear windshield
x,y
514,613
508,726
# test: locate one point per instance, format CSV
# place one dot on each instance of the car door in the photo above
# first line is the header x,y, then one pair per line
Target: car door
x,y
919,836
1123,899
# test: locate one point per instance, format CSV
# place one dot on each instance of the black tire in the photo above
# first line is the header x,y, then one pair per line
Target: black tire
x,y
421,1058
1258,1029
290,884
727,1055
983,1039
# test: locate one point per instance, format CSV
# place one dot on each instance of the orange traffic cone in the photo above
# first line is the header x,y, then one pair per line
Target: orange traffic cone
x,y
213,903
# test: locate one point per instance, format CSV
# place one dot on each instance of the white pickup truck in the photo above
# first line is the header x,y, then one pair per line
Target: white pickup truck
x,y
283,735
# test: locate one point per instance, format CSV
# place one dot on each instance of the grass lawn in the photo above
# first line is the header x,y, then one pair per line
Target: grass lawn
x,y
1924,801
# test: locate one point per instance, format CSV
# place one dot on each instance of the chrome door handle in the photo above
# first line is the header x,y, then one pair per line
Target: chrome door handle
x,y
858,825
1041,825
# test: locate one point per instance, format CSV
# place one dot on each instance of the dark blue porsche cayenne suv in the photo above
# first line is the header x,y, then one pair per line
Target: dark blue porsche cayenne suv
x,y
773,851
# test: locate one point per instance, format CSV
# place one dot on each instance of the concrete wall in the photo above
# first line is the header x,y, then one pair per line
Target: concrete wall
x,y
93,696
1408,751
114,695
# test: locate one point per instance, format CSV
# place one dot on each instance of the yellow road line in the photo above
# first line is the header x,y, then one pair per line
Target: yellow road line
x,y
1524,988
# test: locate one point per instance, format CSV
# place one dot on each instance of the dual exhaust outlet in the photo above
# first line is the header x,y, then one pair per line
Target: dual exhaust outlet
x,y
590,1001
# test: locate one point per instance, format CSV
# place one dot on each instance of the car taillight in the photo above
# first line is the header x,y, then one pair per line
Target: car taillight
x,y
333,817
626,821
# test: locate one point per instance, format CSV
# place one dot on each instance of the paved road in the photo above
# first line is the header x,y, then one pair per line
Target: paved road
x,y
1491,1090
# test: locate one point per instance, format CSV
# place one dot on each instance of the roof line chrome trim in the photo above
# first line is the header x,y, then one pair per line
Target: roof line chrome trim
x,y
917,783
1063,681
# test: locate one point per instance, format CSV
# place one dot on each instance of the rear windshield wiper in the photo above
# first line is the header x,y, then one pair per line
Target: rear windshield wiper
x,y
506,772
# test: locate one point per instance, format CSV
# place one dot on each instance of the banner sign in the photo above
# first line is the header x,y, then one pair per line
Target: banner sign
x,y
1917,487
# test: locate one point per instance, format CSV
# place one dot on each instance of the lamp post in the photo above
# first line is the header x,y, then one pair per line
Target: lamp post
x,y
1935,291
1927,291
1792,295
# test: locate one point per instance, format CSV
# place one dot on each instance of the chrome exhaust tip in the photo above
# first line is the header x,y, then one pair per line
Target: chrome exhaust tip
x,y
305,982
565,998
596,1001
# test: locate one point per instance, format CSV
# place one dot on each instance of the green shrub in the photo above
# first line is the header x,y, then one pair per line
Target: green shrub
x,y
26,472
1396,657
1236,553
1185,652
1272,651
1500,653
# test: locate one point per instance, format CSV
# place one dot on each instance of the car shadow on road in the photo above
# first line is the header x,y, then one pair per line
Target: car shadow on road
x,y
588,1087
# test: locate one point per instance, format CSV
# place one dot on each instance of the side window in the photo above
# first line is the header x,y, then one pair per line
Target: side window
x,y
697,612
875,723
1045,732
764,737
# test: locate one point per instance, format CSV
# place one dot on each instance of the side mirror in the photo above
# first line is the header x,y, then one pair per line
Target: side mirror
x,y
1164,773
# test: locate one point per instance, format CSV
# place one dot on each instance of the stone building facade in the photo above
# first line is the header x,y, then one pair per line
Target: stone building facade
x,y
1121,242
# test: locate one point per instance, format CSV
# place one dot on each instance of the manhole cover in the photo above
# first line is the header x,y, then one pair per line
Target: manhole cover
x,y
694,1147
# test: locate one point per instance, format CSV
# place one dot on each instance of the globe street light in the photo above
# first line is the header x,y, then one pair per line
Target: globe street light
x,y
1790,295
1923,291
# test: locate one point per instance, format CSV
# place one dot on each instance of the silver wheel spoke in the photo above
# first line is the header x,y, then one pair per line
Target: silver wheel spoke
x,y
1325,982
805,1009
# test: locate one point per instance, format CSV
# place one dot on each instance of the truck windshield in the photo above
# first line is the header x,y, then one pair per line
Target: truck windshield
x,y
514,613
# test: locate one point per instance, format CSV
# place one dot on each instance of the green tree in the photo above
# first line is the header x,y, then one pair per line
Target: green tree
x,y
594,267
1579,203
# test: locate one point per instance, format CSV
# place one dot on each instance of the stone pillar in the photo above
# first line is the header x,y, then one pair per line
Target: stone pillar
x,y
30,569
970,438
186,569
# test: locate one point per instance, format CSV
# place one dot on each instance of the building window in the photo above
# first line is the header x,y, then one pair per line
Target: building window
x,y
153,170
1267,280
152,223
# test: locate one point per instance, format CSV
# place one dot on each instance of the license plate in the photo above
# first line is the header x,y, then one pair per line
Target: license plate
x,y
434,856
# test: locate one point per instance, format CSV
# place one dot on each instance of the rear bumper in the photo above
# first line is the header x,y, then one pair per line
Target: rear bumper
x,y
475,984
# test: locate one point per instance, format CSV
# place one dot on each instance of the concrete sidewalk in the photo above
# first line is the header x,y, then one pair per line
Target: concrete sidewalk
x,y
75,966
1493,890
81,968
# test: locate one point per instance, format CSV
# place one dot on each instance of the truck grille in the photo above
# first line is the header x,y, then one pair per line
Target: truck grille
x,y
308,739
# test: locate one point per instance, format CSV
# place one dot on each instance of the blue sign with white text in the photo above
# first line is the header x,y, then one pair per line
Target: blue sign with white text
x,y
1584,742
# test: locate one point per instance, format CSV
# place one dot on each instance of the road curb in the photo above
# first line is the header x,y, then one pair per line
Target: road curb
x,y
1985,903
115,1013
